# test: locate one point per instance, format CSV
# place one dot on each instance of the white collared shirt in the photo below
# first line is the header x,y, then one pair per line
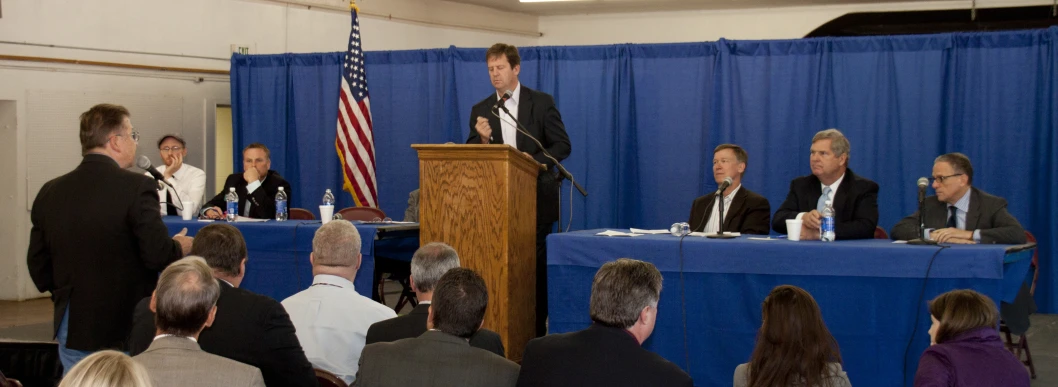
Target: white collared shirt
x,y
713,226
509,127
331,320
833,192
168,335
190,184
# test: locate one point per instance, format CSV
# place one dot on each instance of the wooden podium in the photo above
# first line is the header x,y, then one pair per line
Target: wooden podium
x,y
481,200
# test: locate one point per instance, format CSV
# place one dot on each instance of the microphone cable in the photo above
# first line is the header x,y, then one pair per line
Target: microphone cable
x,y
918,309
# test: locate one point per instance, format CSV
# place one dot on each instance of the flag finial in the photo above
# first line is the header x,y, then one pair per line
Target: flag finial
x,y
352,6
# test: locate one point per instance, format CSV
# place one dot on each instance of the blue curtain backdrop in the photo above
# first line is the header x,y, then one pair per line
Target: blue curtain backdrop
x,y
643,119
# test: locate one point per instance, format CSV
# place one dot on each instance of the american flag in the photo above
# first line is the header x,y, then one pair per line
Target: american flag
x,y
355,141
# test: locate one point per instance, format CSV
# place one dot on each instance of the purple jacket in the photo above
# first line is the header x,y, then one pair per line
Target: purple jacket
x,y
974,358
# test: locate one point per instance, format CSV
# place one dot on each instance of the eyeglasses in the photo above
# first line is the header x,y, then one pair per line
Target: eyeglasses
x,y
941,179
134,135
172,149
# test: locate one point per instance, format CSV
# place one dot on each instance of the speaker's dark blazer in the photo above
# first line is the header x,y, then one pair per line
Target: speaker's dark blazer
x,y
856,205
414,324
596,356
538,114
249,328
263,198
750,213
987,213
97,244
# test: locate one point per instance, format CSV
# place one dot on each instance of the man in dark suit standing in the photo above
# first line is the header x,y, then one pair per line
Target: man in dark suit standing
x,y
745,211
248,328
855,198
442,356
430,262
624,309
961,213
98,241
256,186
536,111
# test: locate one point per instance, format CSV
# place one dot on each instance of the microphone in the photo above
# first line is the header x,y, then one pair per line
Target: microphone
x,y
506,95
727,183
521,129
922,184
720,207
144,163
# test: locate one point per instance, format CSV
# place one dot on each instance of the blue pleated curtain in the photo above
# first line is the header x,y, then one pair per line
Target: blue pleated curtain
x,y
643,119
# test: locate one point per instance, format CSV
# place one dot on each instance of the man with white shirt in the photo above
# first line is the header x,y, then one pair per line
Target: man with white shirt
x,y
189,182
185,303
256,186
855,198
745,211
331,318
536,112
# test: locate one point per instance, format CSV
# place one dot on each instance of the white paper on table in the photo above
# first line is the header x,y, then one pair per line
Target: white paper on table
x,y
249,220
904,242
642,231
205,220
618,233
765,239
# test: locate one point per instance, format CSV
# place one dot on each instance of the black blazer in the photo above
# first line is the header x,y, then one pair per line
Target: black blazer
x,y
856,205
987,213
249,328
97,244
263,198
597,356
750,213
538,114
414,324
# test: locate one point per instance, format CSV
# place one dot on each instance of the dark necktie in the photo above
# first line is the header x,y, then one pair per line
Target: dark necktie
x,y
951,217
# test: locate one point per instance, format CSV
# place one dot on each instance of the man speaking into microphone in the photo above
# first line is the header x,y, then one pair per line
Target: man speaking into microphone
x,y
536,112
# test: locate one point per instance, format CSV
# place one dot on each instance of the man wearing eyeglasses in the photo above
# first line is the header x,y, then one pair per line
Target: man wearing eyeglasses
x,y
189,182
961,213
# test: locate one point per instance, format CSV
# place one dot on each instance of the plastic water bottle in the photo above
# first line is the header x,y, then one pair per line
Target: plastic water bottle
x,y
281,205
826,224
233,204
680,229
328,198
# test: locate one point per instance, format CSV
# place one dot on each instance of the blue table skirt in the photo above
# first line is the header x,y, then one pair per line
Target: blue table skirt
x,y
278,264
867,290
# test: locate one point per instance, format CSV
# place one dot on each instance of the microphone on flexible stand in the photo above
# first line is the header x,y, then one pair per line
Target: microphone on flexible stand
x,y
921,240
521,129
144,163
720,203
502,100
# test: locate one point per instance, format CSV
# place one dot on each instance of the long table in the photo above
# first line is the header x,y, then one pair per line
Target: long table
x,y
709,312
278,264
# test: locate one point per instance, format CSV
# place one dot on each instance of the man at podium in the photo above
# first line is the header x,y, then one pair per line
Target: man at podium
x,y
540,119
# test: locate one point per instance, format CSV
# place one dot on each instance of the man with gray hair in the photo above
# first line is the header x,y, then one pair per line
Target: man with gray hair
x,y
184,304
430,262
331,318
624,309
855,198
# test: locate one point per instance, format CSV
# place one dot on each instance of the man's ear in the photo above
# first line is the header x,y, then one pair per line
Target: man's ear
x,y
153,304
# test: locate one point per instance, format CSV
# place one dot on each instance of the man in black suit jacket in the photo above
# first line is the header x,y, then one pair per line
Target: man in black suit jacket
x,y
256,187
624,302
248,328
98,241
430,262
961,213
855,200
745,211
536,111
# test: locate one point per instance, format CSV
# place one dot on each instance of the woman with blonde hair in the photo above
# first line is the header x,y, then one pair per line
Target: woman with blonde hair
x,y
965,349
107,369
794,346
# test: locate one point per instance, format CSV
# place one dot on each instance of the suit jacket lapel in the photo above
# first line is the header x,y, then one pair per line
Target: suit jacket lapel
x,y
973,215
737,203
842,195
525,111
814,192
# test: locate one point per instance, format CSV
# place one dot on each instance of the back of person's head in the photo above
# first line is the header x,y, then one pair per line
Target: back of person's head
x,y
185,296
430,262
98,123
793,342
222,246
620,291
459,302
107,369
962,310
336,243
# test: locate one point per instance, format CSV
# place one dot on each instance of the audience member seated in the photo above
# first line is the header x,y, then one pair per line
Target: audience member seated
x,y
184,304
965,349
249,328
624,308
428,264
331,318
107,369
256,186
794,346
442,356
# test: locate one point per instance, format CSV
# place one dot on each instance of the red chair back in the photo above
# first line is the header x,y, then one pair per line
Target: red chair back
x,y
327,379
301,214
362,213
1035,261
879,233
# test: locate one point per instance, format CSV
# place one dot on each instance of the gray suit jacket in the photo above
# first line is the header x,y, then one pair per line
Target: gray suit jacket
x,y
987,213
177,362
438,359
